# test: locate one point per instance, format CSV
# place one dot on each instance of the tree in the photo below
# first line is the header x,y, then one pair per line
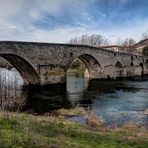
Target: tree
x,y
126,44
92,40
145,50
119,42
145,34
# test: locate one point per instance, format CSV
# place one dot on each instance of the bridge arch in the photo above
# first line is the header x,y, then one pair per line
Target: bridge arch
x,y
26,70
93,66
139,69
118,64
119,71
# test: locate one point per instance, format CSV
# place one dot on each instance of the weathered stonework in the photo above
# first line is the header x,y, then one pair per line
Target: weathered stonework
x,y
5,64
45,63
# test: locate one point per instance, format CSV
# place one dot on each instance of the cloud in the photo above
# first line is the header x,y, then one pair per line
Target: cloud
x,y
59,20
59,35
8,8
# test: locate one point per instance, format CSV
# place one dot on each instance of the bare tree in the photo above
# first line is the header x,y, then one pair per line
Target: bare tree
x,y
128,42
126,45
119,42
97,40
71,41
106,42
12,98
93,40
145,34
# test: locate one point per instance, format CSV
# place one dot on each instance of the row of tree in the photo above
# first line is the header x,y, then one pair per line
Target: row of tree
x,y
93,40
145,35
99,40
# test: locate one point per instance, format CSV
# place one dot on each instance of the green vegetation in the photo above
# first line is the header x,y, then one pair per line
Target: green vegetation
x,y
76,64
145,50
77,68
29,131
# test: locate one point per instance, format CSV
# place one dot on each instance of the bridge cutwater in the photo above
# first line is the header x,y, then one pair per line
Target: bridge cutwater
x,y
47,63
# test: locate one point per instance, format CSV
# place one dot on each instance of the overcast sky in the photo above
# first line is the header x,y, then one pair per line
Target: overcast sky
x,y
60,20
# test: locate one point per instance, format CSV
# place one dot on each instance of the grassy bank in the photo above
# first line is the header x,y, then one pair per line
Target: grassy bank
x,y
25,130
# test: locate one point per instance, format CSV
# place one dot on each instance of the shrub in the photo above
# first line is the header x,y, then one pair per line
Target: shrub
x,y
145,50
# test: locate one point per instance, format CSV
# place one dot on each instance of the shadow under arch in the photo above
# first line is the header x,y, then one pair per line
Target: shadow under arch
x,y
119,72
118,64
142,69
26,70
91,63
146,63
131,64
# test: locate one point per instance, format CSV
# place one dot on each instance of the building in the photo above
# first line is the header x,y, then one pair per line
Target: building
x,y
134,49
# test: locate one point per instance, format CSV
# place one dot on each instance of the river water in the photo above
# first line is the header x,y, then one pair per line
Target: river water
x,y
115,102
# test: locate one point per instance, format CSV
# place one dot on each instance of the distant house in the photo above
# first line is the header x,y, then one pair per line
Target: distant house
x,y
134,49
140,45
111,48
138,49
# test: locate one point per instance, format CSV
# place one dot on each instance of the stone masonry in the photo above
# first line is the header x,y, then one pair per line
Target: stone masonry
x,y
47,63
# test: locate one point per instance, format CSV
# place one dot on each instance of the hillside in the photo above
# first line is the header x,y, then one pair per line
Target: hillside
x,y
142,43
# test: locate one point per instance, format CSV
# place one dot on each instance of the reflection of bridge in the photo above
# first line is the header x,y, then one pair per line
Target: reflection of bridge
x,y
43,63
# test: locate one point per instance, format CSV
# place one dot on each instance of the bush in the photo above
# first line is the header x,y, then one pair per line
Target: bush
x,y
145,50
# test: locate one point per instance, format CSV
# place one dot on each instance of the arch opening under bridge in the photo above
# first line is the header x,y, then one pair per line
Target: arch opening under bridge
x,y
26,70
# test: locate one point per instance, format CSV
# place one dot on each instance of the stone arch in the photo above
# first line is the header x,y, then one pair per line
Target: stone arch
x,y
93,66
119,72
26,70
118,64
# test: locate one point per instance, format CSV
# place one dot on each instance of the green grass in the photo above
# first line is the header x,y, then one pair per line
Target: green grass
x,y
29,131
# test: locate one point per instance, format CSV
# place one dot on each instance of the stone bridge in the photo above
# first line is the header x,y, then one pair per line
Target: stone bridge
x,y
47,63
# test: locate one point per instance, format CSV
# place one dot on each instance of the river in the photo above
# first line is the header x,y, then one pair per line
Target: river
x,y
115,102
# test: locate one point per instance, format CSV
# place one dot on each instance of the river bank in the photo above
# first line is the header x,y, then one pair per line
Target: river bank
x,y
53,131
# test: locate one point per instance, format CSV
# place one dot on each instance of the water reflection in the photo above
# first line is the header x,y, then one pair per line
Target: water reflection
x,y
115,101
76,86
12,93
44,99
